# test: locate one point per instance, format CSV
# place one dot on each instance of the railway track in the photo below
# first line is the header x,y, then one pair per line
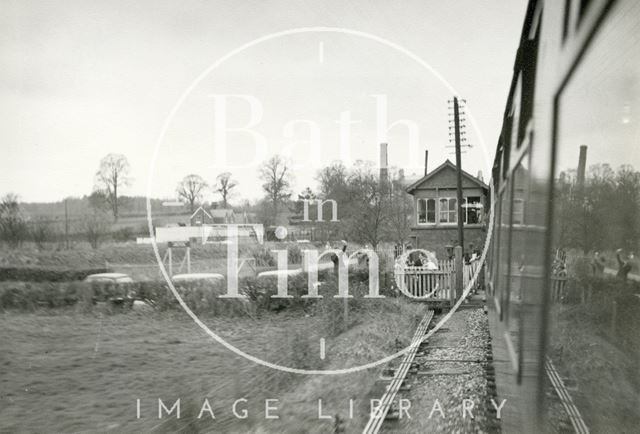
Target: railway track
x,y
562,393
377,419
455,363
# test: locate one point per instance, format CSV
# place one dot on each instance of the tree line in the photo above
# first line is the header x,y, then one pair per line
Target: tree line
x,y
370,209
603,213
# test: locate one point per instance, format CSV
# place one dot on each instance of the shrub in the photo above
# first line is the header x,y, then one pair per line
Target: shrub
x,y
123,234
294,254
263,256
13,228
53,288
36,274
41,233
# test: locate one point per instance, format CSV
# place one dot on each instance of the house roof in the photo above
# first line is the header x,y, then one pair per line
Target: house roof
x,y
221,212
196,212
446,165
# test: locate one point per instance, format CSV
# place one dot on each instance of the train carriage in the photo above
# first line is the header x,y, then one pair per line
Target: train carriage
x,y
566,177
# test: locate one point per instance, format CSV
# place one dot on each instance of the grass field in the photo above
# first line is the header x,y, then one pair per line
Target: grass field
x,y
62,371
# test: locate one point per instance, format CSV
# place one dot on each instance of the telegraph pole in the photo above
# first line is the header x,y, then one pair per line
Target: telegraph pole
x,y
456,123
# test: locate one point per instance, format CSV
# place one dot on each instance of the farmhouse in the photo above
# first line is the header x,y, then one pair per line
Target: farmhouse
x,y
200,217
435,209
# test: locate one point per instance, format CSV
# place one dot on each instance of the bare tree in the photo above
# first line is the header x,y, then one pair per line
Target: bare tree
x,y
400,210
13,228
112,174
95,227
41,232
224,185
277,182
191,189
368,207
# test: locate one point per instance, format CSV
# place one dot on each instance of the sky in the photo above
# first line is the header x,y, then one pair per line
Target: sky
x,y
81,79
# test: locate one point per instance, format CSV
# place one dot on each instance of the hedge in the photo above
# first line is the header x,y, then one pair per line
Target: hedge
x,y
199,296
35,274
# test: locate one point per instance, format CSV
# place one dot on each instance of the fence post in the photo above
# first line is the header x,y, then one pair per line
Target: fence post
x,y
452,287
459,270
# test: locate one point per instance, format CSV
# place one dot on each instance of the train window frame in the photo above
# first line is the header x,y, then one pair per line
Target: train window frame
x,y
505,289
574,14
506,146
572,52
515,112
499,299
496,254
524,161
528,65
582,22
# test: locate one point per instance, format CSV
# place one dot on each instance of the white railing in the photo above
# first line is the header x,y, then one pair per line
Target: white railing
x,y
436,284
420,282
469,270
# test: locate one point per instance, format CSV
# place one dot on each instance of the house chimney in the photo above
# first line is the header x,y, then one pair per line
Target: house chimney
x,y
582,164
384,168
480,176
426,162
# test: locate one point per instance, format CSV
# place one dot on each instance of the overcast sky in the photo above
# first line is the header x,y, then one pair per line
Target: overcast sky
x,y
80,79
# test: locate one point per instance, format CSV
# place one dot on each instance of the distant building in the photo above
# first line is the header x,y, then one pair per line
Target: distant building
x,y
223,216
200,217
435,210
220,216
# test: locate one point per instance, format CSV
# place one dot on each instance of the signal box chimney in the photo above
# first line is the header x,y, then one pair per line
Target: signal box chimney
x,y
426,162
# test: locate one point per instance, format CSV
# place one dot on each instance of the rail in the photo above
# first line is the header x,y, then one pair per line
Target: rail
x,y
378,415
565,398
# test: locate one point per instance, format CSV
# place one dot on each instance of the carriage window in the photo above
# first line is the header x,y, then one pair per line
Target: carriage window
x,y
594,285
518,211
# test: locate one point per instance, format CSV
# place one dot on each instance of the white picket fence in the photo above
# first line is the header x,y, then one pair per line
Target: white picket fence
x,y
435,284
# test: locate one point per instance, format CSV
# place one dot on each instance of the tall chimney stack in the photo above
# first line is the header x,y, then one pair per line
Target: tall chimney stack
x,y
384,167
426,162
582,164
